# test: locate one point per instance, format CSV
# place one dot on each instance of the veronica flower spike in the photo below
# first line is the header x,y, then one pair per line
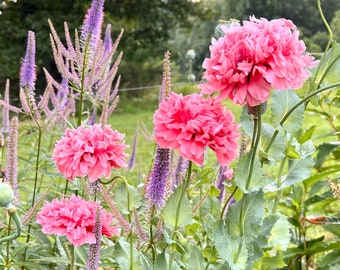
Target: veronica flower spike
x,y
28,74
92,25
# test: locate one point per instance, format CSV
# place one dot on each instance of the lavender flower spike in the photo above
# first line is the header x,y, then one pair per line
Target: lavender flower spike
x,y
12,158
94,250
5,110
133,152
93,22
158,181
28,74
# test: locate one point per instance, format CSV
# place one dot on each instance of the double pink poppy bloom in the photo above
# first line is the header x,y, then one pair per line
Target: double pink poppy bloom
x,y
250,59
191,123
89,151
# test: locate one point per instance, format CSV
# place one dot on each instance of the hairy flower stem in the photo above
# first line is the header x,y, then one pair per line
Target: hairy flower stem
x,y
293,108
254,144
83,70
36,169
186,185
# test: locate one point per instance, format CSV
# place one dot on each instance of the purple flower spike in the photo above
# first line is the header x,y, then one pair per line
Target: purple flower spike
x,y
28,74
107,40
93,22
94,250
158,182
133,152
12,158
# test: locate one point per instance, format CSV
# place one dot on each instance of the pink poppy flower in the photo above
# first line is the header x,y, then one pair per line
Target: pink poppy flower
x,y
74,218
191,123
89,151
250,59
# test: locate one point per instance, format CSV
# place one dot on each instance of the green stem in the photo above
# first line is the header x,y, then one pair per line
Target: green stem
x,y
329,30
227,201
14,215
279,182
186,185
255,143
184,189
294,107
128,196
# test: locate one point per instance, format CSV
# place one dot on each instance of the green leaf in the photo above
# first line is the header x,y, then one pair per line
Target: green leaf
x,y
170,209
311,180
298,170
282,102
242,171
277,149
329,66
161,262
332,258
323,151
122,256
126,203
319,198
244,218
233,251
270,261
279,234
195,259
306,135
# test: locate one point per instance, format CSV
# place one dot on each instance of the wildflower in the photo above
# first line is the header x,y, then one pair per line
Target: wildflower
x,y
157,185
89,151
12,158
191,123
75,218
5,110
132,159
248,60
93,21
28,74
94,250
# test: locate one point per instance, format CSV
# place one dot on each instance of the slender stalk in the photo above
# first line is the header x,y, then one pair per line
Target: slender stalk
x,y
279,176
186,185
255,143
330,33
14,215
81,97
294,107
227,201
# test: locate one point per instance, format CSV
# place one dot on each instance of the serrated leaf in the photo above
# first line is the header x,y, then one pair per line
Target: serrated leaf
x,y
195,259
282,102
242,170
228,247
279,233
244,218
170,209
